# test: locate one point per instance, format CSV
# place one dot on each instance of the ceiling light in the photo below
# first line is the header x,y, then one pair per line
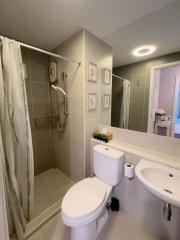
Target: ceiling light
x,y
144,50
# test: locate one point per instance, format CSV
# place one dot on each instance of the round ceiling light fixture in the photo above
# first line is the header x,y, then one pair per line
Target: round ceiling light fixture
x,y
144,50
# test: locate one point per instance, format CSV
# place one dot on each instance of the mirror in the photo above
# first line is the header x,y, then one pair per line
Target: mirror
x,y
146,74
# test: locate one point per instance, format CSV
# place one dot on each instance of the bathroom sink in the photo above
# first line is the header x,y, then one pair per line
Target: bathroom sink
x,y
160,180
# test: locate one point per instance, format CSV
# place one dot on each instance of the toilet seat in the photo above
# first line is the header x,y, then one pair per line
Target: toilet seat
x,y
83,199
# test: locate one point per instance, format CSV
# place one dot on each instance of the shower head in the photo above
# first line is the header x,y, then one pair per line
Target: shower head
x,y
53,72
65,98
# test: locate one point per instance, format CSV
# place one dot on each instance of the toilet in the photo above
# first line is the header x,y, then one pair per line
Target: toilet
x,y
84,206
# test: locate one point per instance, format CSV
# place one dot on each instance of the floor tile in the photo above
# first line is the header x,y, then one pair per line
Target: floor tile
x,y
54,179
49,187
124,226
120,225
55,229
37,236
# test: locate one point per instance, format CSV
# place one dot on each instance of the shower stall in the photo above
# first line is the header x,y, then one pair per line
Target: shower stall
x,y
48,111
34,112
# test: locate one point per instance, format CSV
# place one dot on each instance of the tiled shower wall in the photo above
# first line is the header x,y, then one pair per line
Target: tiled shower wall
x,y
72,146
39,102
139,75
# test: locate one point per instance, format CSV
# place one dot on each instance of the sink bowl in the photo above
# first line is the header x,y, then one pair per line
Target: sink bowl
x,y
160,180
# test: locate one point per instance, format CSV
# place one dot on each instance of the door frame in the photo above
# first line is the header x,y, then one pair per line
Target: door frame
x,y
174,112
151,117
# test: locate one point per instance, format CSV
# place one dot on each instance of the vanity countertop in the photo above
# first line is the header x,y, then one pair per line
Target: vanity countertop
x,y
145,153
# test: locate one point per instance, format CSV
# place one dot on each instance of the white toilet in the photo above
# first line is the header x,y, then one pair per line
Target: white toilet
x,y
84,205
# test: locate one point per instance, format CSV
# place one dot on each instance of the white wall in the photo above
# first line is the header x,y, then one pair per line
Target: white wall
x,y
166,145
139,203
69,146
167,87
96,51
72,147
134,199
157,78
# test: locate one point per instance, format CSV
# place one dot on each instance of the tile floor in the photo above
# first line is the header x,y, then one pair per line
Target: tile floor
x,y
49,187
120,226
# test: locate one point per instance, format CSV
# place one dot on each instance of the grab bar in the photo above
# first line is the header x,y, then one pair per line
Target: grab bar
x,y
65,98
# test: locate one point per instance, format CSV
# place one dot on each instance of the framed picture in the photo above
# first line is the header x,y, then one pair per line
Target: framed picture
x,y
106,76
92,101
92,72
106,101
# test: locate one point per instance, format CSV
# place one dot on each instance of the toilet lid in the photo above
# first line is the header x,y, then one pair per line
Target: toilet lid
x,y
83,198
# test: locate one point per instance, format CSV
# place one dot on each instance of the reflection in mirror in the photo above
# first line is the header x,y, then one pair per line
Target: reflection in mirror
x,y
146,74
146,98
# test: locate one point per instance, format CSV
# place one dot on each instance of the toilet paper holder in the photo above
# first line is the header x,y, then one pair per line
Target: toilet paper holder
x,y
129,170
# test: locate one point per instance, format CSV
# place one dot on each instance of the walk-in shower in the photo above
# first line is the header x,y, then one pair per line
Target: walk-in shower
x,y
48,110
36,112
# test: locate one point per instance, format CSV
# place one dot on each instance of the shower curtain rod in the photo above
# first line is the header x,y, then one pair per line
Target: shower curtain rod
x,y
45,52
114,75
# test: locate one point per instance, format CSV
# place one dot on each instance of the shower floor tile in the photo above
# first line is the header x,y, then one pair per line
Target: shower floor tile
x,y
49,187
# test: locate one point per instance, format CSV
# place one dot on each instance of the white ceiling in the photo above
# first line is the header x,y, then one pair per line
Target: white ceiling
x,y
161,28
46,23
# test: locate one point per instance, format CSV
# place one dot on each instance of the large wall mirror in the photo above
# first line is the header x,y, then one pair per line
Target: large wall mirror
x,y
146,73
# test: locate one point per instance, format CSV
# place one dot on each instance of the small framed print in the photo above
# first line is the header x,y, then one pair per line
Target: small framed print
x,y
106,101
106,76
92,72
92,101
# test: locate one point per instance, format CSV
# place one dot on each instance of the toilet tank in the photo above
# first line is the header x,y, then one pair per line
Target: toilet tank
x,y
108,164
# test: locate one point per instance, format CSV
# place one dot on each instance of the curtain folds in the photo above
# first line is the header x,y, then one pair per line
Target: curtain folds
x,y
16,135
124,113
4,231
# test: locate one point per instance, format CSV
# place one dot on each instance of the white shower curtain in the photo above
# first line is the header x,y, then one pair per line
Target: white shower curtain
x,y
4,231
16,134
124,113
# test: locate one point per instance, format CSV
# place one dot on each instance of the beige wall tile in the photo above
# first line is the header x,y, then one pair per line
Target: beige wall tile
x,y
39,107
38,57
43,137
28,89
39,72
40,90
45,158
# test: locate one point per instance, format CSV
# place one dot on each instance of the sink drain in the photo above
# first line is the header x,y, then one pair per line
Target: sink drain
x,y
168,191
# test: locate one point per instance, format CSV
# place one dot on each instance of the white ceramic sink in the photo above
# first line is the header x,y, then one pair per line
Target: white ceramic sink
x,y
161,180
